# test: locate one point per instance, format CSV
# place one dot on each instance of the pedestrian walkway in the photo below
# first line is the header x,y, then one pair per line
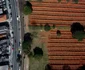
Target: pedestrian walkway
x,y
26,29
26,63
26,21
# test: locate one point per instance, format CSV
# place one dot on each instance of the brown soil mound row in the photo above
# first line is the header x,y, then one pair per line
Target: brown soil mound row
x,y
59,9
64,33
45,4
61,37
61,22
65,53
63,41
66,44
64,62
60,67
66,49
62,2
44,17
50,13
32,23
66,57
51,24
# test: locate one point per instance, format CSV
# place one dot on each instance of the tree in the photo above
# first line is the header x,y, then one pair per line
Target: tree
x,y
77,31
58,33
28,38
48,67
26,47
27,8
66,67
38,52
76,27
47,27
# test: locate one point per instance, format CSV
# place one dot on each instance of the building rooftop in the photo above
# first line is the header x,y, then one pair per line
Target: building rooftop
x,y
3,18
3,11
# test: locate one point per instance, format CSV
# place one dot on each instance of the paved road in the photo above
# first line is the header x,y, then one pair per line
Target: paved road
x,y
21,5
15,25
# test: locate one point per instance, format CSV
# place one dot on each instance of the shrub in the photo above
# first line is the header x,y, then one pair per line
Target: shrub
x,y
67,0
47,27
58,33
75,1
54,26
39,0
59,1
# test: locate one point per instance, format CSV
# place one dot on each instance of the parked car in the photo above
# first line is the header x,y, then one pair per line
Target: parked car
x,y
11,33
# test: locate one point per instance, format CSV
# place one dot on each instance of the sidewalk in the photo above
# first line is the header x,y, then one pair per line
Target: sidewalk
x,y
26,29
26,63
26,21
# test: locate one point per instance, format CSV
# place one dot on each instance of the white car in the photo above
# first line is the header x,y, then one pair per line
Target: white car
x,y
11,41
11,33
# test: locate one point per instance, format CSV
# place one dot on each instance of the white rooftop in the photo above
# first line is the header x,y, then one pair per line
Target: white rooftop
x,y
4,67
1,11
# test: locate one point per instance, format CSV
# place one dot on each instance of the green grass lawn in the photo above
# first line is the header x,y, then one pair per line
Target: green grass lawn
x,y
39,64
38,28
63,27
34,63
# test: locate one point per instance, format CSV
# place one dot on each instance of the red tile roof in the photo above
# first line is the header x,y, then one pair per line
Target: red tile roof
x,y
3,18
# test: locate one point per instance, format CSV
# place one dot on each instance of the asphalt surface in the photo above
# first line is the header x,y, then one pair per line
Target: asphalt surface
x,y
21,5
15,26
